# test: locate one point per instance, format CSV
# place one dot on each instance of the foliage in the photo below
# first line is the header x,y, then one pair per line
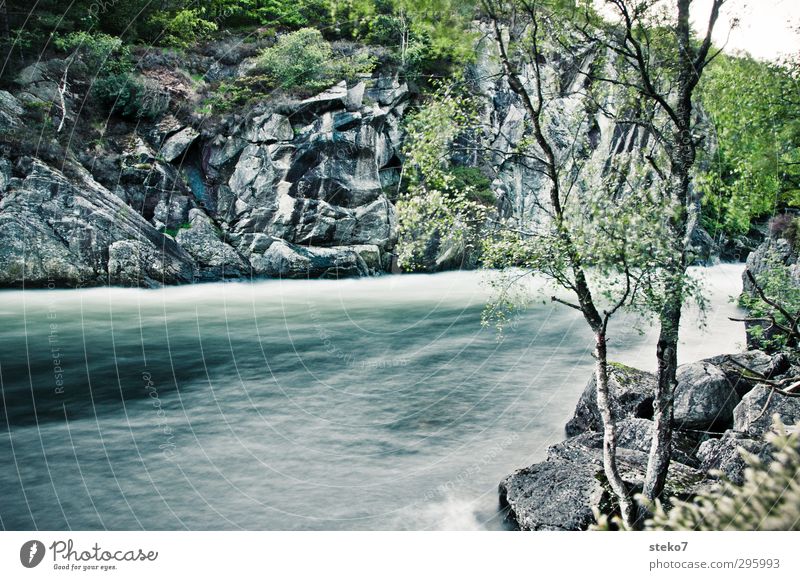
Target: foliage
x,y
776,312
227,96
756,168
284,14
768,499
103,54
184,28
305,59
431,220
113,83
172,232
445,206
473,181
130,96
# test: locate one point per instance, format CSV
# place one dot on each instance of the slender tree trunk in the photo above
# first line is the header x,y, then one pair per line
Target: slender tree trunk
x,y
667,355
627,508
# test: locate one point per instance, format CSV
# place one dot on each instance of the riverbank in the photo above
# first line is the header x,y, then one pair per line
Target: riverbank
x,y
719,409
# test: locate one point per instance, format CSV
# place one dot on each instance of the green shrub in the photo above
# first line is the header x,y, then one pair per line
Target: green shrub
x,y
472,180
103,54
304,59
185,27
299,59
130,96
768,500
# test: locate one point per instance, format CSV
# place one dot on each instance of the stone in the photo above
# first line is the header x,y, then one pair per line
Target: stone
x,y
724,454
753,415
176,145
269,128
355,96
704,398
137,263
284,260
10,111
332,98
554,495
559,493
631,393
735,367
216,260
637,435
59,231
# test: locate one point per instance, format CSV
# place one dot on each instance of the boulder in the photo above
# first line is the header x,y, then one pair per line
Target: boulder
x,y
386,91
554,495
269,128
138,263
637,435
355,96
724,454
735,367
753,415
631,393
704,398
332,98
216,259
177,145
559,494
60,231
284,260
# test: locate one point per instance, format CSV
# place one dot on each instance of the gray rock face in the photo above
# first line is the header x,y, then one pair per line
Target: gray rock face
x,y
282,259
637,435
312,176
724,455
735,367
176,145
559,494
61,231
10,110
631,391
704,398
285,190
215,259
753,415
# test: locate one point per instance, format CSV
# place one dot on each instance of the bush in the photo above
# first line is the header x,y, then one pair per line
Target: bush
x,y
304,59
131,97
299,59
769,498
185,27
101,53
473,181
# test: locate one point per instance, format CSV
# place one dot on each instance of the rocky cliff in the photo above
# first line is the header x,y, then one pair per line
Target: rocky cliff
x,y
288,188
285,187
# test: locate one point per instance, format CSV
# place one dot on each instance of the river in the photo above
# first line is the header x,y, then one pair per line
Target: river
x,y
281,405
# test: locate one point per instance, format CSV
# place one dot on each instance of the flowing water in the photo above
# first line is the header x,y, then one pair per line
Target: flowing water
x,y
356,404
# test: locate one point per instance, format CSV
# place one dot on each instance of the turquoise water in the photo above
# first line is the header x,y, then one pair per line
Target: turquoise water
x,y
357,404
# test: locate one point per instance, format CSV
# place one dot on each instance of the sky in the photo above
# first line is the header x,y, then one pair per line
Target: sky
x,y
767,29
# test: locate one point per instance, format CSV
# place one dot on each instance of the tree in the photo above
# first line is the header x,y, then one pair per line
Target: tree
x,y
756,165
640,248
663,63
604,253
